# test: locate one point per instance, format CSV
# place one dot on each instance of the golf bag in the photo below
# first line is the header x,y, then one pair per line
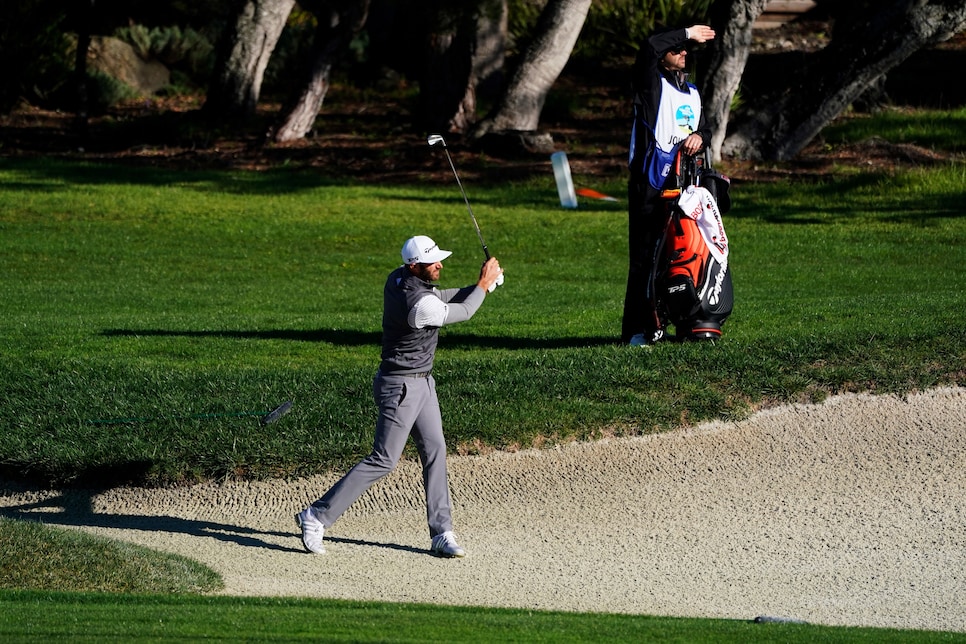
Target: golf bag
x,y
693,279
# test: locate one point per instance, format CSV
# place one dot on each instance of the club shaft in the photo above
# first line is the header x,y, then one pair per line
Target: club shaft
x,y
469,209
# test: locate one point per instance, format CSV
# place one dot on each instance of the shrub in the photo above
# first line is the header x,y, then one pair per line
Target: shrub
x,y
185,50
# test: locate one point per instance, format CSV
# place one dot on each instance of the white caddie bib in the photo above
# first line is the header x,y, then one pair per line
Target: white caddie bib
x,y
677,116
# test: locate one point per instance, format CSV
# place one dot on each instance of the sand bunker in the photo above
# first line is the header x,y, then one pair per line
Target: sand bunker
x,y
850,512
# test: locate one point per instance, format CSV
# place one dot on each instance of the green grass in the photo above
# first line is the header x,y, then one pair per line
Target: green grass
x,y
936,129
62,560
34,616
182,305
151,316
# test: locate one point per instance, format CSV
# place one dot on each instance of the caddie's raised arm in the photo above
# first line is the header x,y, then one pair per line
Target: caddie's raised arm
x,y
700,33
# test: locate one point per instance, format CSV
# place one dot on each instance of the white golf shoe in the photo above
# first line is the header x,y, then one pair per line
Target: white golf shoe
x,y
444,545
312,531
645,340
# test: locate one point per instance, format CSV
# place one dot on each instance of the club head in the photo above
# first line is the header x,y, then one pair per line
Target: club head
x,y
276,413
435,139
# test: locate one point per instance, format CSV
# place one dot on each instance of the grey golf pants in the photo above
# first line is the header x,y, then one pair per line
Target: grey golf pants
x,y
407,406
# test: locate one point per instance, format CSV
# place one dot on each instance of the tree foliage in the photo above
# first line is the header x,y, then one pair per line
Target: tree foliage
x,y
34,51
616,28
447,49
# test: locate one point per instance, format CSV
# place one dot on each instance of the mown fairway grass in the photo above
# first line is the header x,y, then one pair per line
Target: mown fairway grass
x,y
33,616
151,316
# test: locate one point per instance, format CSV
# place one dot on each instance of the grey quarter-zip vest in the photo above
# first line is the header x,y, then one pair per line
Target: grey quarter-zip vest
x,y
406,350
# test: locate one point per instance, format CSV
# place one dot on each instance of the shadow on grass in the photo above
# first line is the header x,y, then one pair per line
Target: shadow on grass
x,y
821,203
47,175
352,338
546,199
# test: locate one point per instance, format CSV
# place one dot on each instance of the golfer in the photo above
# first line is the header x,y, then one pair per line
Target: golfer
x,y
667,118
405,392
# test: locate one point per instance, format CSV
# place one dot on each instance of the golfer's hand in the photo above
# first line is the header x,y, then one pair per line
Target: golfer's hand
x,y
700,33
491,275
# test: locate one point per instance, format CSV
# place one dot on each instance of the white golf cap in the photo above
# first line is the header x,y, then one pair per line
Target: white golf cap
x,y
423,250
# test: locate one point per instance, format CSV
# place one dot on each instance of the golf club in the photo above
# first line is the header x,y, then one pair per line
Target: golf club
x,y
276,413
437,139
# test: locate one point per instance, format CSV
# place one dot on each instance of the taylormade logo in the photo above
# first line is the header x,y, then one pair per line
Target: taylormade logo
x,y
416,259
715,295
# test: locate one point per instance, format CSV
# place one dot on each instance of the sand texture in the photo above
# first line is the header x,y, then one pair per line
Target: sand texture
x,y
850,512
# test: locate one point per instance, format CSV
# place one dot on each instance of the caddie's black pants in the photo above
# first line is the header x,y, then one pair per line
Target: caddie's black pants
x,y
646,218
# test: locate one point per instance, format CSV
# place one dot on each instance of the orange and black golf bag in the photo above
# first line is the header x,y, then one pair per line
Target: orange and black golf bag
x,y
693,278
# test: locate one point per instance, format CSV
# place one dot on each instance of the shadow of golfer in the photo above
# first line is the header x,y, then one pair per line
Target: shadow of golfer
x,y
74,507
377,544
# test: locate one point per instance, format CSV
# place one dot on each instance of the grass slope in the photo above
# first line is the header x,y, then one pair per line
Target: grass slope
x,y
152,316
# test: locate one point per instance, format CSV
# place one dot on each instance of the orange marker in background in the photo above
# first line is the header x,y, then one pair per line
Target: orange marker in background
x,y
593,194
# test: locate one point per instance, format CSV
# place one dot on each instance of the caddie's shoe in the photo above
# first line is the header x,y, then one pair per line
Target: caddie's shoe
x,y
639,340
312,531
646,340
444,545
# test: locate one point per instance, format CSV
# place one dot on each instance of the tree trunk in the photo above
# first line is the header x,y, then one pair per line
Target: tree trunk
x,y
243,55
489,53
732,21
464,48
446,94
85,23
338,23
861,51
522,102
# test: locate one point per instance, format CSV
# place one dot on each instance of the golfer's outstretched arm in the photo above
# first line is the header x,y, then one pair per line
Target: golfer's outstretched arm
x,y
432,311
456,304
